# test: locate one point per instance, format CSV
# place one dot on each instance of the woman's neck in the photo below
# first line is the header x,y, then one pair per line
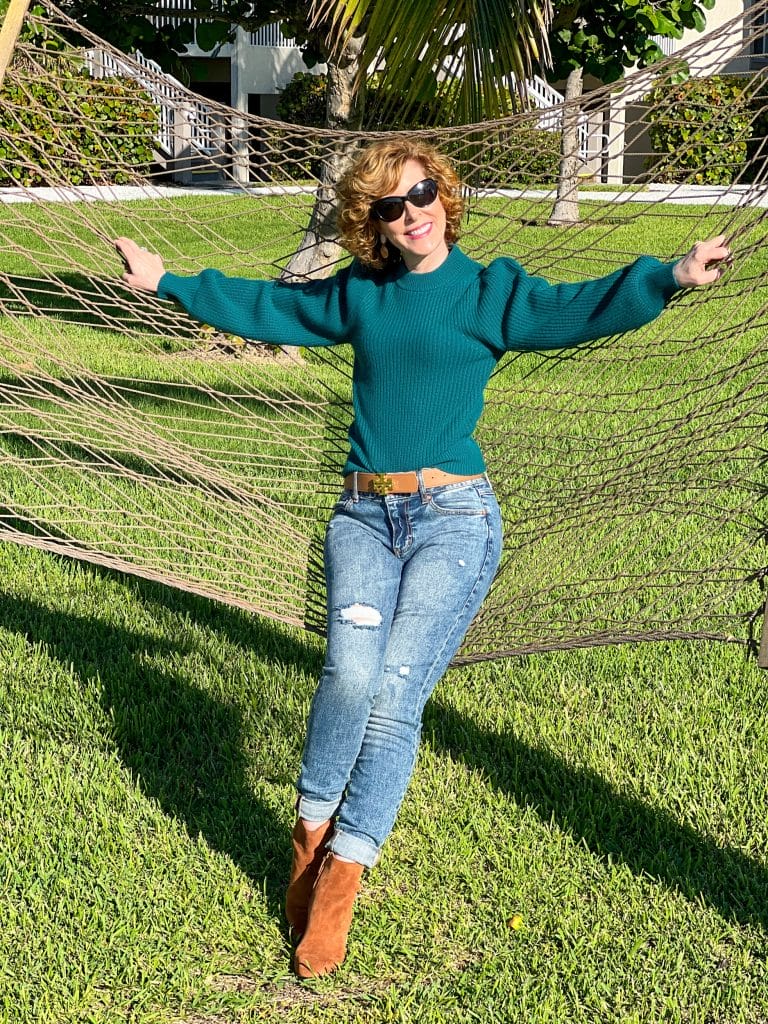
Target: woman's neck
x,y
428,262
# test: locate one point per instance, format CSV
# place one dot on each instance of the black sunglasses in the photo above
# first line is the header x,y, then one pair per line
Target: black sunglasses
x,y
391,208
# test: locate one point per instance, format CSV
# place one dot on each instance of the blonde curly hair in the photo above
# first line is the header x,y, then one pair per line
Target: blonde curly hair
x,y
374,173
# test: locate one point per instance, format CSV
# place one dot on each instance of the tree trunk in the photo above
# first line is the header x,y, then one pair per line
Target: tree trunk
x,y
319,250
566,208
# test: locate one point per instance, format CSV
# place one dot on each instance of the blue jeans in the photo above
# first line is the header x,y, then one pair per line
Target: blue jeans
x,y
406,574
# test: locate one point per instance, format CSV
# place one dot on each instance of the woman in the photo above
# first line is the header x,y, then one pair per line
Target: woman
x,y
415,539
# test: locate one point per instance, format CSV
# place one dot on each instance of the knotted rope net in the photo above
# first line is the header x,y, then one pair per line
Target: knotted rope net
x,y
630,471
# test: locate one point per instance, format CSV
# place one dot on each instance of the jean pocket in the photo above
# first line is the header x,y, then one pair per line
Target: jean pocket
x,y
459,501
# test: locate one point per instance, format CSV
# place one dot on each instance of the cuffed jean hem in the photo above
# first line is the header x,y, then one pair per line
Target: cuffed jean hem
x,y
353,848
316,810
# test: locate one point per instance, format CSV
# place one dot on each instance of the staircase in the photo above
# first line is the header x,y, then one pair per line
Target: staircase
x,y
190,138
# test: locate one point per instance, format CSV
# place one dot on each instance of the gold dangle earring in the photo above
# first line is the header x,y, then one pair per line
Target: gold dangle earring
x,y
383,247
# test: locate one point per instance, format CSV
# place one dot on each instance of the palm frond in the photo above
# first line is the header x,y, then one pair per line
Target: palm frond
x,y
460,58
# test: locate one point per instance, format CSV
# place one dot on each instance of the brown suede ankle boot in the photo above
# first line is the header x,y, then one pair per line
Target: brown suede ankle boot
x,y
308,853
324,945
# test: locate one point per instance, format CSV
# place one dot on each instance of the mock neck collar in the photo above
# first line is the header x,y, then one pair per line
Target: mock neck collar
x,y
453,267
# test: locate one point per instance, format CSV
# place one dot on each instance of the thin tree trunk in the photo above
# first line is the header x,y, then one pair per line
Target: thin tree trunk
x,y
319,250
566,208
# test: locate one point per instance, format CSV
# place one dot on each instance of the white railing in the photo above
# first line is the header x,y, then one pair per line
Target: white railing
x,y
665,44
169,94
271,35
541,92
547,99
165,16
267,35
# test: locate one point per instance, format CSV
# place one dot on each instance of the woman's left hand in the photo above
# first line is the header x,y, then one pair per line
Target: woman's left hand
x,y
704,263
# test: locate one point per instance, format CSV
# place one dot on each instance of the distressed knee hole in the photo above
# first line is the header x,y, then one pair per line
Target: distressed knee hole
x,y
361,615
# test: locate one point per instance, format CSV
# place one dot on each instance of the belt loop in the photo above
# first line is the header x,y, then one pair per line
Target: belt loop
x,y
355,495
422,486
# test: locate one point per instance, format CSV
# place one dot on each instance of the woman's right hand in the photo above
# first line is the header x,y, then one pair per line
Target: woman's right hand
x,y
143,269
704,263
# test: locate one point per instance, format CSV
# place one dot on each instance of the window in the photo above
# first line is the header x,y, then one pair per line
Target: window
x,y
757,28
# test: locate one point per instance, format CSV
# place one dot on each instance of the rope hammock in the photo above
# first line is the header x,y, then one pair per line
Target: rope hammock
x,y
630,471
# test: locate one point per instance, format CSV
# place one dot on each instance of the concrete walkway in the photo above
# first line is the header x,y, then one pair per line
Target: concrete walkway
x,y
697,195
123,193
689,195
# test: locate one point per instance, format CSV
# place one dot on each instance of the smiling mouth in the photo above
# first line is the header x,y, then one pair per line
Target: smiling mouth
x,y
420,231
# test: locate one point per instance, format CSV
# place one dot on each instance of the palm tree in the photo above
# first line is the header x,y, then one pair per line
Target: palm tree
x,y
464,53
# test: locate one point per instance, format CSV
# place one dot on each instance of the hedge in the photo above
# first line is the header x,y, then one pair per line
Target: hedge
x,y
517,156
700,129
83,131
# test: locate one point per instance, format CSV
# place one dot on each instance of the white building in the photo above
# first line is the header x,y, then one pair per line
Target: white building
x,y
735,41
248,73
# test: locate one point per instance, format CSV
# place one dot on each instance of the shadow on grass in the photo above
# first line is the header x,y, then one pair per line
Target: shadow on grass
x,y
611,824
111,309
185,747
194,754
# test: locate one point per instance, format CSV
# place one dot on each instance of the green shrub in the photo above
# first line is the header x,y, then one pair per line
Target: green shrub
x,y
699,130
522,156
302,101
82,131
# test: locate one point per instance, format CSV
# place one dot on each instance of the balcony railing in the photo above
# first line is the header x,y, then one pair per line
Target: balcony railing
x,y
268,35
271,35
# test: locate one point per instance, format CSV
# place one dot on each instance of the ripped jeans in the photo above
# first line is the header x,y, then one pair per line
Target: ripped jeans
x,y
406,574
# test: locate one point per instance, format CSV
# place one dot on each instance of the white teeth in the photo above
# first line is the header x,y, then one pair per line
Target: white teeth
x,y
419,231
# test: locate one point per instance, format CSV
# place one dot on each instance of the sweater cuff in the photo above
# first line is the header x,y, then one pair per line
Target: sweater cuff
x,y
664,278
170,286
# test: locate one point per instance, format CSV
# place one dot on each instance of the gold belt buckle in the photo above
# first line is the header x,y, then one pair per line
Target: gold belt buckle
x,y
381,483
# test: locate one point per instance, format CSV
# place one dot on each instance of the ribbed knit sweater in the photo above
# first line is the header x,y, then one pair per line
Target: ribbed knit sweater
x,y
425,344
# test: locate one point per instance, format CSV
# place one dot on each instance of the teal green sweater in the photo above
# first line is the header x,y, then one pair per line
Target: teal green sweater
x,y
425,344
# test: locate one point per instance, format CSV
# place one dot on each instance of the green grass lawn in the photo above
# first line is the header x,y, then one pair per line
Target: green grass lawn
x,y
613,798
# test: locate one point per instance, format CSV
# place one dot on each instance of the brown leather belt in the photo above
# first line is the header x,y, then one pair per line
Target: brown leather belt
x,y
403,483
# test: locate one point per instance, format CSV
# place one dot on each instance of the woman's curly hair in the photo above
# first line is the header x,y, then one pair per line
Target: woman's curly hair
x,y
374,173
